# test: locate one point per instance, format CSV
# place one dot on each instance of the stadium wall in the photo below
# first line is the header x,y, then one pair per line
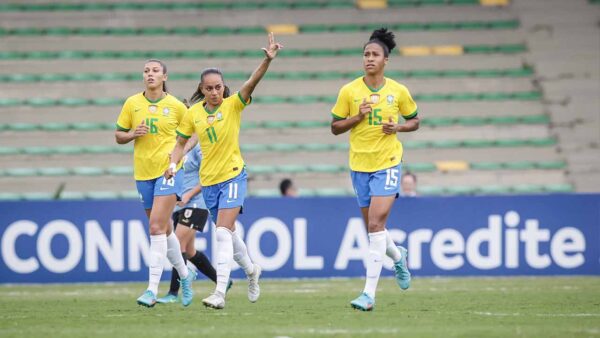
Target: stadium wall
x,y
98,241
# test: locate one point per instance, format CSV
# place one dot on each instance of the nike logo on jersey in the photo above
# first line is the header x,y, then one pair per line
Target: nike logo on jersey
x,y
161,188
229,201
389,188
136,110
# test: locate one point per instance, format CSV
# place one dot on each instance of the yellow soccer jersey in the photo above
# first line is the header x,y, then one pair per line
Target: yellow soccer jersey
x,y
151,151
370,149
218,133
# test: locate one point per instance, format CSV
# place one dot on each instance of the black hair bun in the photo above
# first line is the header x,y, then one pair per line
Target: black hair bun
x,y
385,36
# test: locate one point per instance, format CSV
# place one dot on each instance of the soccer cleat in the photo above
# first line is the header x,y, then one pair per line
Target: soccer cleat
x,y
186,288
215,300
253,287
147,299
168,299
363,302
401,268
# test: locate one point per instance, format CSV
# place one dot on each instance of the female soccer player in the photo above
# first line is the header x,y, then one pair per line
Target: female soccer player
x,y
216,120
369,108
150,119
190,215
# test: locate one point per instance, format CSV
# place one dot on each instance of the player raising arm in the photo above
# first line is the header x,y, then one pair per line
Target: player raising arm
x,y
216,119
370,107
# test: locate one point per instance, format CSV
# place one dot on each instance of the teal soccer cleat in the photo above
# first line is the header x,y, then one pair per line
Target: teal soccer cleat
x,y
401,268
363,303
186,288
147,299
168,299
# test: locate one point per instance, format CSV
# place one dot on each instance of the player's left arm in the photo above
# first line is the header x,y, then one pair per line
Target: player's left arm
x,y
185,199
408,109
270,53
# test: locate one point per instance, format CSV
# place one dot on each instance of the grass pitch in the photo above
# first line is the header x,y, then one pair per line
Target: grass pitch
x,y
433,307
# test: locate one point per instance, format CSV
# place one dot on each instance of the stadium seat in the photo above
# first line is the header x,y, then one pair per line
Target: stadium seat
x,y
102,195
518,165
486,166
261,169
312,147
528,188
54,126
430,190
461,190
51,171
551,165
559,188
72,195
326,168
120,171
264,192
88,171
331,192
129,194
37,196
9,196
493,189
292,168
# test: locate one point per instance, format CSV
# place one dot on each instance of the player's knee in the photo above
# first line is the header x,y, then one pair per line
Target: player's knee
x,y
156,228
375,226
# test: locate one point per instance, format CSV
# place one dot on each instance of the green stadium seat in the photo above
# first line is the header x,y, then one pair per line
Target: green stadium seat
x,y
292,168
415,144
22,78
488,73
265,193
269,99
88,171
305,99
485,166
250,125
303,192
9,151
284,147
38,150
51,171
89,126
472,25
527,96
559,188
493,189
312,124
497,96
463,97
326,168
408,26
91,31
107,101
26,31
471,120
41,102
253,147
443,144
432,97
430,190
420,167
328,99
528,188
340,146
320,52
424,73
98,149
22,126
214,30
37,196
86,77
262,169
314,28
20,172
440,26
72,195
69,150
292,53
440,121
153,31
277,124
519,165
120,76
9,196
518,72
541,142
252,30
504,24
551,165
9,102
102,195
59,31
461,190
307,5
511,48
509,143
535,119
478,49
313,147
193,31
225,54
324,76
11,55
72,101
346,28
55,126
500,120
455,73
120,171
297,76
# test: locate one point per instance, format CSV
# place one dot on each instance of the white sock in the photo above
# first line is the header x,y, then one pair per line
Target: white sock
x,y
377,244
224,256
174,255
391,249
240,254
158,251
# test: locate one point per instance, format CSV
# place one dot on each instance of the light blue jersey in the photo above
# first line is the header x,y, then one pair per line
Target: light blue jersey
x,y
191,168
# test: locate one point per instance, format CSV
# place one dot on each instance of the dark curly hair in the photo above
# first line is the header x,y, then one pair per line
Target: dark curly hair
x,y
384,38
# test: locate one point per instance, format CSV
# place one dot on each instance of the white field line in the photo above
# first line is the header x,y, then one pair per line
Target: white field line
x,y
517,314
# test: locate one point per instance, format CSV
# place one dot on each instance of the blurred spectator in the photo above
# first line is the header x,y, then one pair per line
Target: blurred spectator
x,y
409,184
287,188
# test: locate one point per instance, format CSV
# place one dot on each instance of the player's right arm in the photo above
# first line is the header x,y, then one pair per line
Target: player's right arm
x,y
340,125
124,133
